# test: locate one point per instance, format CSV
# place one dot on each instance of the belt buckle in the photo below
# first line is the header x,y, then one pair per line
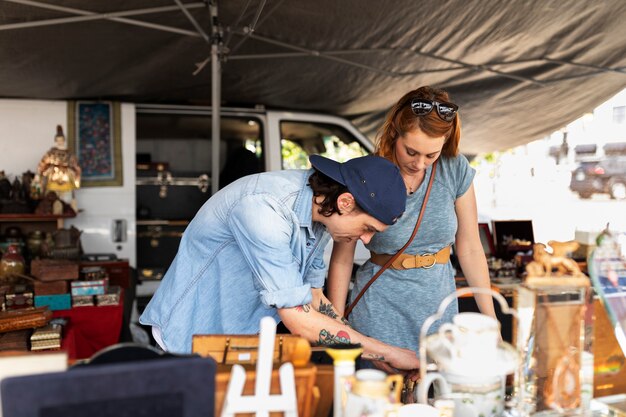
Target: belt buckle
x,y
434,260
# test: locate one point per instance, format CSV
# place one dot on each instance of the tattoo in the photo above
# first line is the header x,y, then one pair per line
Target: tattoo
x,y
304,308
344,321
373,357
327,338
328,310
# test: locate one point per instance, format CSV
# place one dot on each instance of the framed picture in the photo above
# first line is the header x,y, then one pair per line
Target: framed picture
x,y
486,239
94,135
512,236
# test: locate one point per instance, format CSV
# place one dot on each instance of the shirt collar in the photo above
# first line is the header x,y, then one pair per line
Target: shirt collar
x,y
303,206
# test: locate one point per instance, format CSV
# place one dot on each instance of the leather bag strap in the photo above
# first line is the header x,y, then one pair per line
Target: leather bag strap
x,y
402,249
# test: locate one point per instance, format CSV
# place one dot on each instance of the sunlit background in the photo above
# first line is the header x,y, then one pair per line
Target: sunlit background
x,y
532,182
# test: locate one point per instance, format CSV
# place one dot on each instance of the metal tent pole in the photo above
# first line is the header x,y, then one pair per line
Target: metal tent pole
x,y
216,92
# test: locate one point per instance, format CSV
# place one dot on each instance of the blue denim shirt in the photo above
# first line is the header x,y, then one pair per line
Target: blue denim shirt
x,y
250,249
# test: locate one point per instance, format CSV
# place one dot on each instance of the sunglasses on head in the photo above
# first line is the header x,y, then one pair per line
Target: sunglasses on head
x,y
423,106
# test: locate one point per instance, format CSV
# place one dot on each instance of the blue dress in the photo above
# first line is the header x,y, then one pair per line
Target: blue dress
x,y
397,303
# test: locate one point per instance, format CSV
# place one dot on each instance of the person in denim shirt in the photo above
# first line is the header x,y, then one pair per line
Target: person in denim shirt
x,y
256,247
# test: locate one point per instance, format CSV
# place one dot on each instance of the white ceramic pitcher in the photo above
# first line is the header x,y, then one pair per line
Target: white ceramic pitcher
x,y
473,397
470,360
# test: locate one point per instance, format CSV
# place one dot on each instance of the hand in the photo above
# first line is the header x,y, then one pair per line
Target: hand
x,y
385,367
402,359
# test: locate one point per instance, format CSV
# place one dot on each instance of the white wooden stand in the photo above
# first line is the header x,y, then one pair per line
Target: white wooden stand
x,y
262,402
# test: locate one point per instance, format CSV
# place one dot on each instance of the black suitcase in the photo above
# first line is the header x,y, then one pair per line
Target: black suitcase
x,y
163,195
157,244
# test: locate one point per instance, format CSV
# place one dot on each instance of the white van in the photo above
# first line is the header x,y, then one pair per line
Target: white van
x,y
174,147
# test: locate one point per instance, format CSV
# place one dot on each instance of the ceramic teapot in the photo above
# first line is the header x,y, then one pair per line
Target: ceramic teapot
x,y
473,397
471,361
473,336
371,393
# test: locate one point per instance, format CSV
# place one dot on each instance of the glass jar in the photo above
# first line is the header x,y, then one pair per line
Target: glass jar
x,y
11,264
33,243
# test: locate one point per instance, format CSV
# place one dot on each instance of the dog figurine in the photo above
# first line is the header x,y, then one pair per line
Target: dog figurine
x,y
544,261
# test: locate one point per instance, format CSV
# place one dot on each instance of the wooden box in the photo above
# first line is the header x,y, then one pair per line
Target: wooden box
x,y
110,298
18,300
243,349
117,269
54,269
54,302
96,287
25,318
50,287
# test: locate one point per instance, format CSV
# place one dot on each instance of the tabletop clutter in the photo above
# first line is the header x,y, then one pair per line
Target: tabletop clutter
x,y
40,274
467,369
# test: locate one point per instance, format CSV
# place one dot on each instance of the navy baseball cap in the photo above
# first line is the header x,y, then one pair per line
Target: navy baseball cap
x,y
375,183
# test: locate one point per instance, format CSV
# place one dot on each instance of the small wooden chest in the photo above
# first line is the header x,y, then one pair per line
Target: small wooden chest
x,y
54,269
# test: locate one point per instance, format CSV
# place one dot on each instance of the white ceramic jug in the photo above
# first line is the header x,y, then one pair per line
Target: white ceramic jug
x,y
372,393
473,397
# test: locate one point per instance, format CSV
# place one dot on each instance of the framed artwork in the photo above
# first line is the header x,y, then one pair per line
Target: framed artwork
x,y
486,239
94,135
512,236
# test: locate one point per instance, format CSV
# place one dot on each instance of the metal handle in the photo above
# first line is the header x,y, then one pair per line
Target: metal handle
x,y
442,308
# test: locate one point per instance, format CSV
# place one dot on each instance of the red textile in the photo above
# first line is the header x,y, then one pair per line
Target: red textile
x,y
91,328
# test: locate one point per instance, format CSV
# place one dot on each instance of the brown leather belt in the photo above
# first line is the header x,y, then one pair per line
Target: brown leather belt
x,y
406,261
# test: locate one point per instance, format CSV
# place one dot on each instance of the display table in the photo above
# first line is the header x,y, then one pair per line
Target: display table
x,y
91,328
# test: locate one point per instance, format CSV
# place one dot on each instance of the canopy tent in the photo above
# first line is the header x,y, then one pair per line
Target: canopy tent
x,y
518,70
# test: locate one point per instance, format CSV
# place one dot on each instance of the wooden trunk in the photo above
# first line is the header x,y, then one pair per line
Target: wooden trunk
x,y
54,269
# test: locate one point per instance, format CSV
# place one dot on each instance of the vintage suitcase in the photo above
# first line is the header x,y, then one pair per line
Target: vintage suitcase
x,y
170,196
243,349
158,243
54,269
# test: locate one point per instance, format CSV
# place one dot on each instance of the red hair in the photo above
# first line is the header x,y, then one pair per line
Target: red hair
x,y
401,120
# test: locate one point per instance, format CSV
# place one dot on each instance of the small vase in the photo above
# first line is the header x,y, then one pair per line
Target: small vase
x,y
11,264
33,243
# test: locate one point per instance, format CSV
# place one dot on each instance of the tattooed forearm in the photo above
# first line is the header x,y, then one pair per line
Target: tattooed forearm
x,y
328,310
304,308
373,357
327,338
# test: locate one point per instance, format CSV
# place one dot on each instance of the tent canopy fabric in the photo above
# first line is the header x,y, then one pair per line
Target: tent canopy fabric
x,y
517,69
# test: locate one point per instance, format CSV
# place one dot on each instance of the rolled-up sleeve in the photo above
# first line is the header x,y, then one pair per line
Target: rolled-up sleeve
x,y
263,229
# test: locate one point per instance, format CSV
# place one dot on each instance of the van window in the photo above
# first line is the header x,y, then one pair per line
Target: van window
x,y
301,139
183,141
